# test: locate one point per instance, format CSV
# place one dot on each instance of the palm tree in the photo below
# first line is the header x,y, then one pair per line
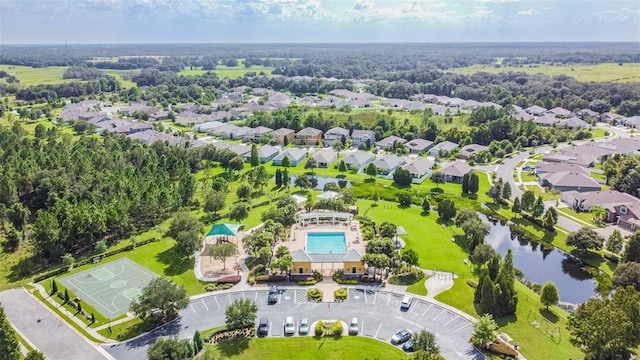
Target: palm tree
x,y
599,213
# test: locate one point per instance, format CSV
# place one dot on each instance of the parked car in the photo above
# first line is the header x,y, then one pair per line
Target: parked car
x,y
273,295
408,346
263,327
406,303
303,329
401,336
289,326
354,327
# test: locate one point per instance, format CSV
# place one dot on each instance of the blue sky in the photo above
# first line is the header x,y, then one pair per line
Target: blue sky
x,y
251,21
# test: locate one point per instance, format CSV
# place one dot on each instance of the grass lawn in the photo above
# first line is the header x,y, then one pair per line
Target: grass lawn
x,y
228,72
307,348
546,195
418,288
585,73
527,176
53,75
584,216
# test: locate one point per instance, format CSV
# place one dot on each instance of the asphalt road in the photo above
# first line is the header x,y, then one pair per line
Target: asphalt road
x,y
48,333
378,313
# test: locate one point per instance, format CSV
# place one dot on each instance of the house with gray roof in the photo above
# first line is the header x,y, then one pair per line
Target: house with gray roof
x,y
333,134
389,163
309,136
455,170
632,121
189,118
390,142
359,137
610,117
265,152
295,156
535,110
358,160
324,157
418,146
225,131
469,151
240,149
583,201
544,167
573,122
419,169
443,148
208,126
282,133
587,114
559,112
257,133
569,181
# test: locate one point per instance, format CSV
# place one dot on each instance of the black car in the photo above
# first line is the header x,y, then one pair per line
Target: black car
x,y
408,346
263,327
273,295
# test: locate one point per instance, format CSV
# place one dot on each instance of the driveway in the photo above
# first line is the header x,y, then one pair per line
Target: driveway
x,y
48,333
378,313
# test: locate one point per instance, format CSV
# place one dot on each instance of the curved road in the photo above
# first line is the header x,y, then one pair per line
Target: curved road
x,y
378,313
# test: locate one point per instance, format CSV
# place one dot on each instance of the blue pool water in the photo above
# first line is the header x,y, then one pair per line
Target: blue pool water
x,y
326,243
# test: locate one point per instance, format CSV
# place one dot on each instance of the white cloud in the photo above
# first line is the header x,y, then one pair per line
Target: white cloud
x,y
547,8
528,12
617,16
362,4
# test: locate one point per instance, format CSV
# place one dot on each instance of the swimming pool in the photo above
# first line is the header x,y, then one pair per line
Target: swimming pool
x,y
326,243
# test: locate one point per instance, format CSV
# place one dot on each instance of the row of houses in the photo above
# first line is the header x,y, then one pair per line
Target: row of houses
x,y
622,209
588,154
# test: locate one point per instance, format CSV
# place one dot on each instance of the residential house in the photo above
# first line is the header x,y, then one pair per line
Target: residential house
x,y
240,149
610,117
358,160
536,110
632,121
258,133
418,146
333,134
559,112
395,103
295,156
225,131
359,137
265,152
468,151
470,105
573,122
569,181
578,159
455,171
361,104
583,201
546,120
443,148
415,105
388,163
189,118
523,116
544,167
351,260
419,169
208,126
282,133
628,216
587,114
324,157
389,143
309,136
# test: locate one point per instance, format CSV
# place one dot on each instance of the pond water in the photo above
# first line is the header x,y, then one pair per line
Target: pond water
x,y
539,265
321,181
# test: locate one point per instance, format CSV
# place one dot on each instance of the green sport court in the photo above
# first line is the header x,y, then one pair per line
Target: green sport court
x,y
109,287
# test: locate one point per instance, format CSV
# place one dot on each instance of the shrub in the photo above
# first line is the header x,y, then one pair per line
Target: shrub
x,y
307,282
231,279
258,269
218,286
319,330
502,349
270,278
340,294
317,276
472,284
336,328
314,294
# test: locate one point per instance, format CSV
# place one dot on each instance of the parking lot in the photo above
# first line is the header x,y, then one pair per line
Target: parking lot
x,y
378,312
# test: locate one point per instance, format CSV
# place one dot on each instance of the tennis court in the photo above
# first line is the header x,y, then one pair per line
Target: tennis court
x,y
110,287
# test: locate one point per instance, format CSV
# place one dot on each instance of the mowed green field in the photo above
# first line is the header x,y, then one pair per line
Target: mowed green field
x,y
584,73
53,75
228,72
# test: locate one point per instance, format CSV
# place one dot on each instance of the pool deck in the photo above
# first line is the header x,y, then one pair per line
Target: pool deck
x,y
353,236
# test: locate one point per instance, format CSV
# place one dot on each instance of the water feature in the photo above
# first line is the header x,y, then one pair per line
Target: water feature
x,y
540,264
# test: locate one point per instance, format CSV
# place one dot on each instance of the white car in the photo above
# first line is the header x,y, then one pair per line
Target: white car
x,y
289,326
406,303
354,327
303,328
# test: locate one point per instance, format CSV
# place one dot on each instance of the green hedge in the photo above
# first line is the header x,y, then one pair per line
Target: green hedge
x,y
314,295
341,294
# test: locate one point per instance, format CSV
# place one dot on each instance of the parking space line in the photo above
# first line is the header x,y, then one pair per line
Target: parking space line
x,y
376,335
462,327
362,331
449,322
443,311
388,299
270,323
229,296
413,307
205,305
375,296
295,296
256,296
194,310
216,299
429,308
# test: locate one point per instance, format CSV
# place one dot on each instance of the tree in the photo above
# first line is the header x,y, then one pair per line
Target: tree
x,y
254,160
285,177
506,191
66,296
527,200
495,192
585,239
377,261
241,314
278,177
9,345
426,206
446,210
615,242
371,170
465,183
342,166
311,164
549,294
35,355
483,253
438,178
284,263
627,274
68,260
170,348
598,212
259,177
402,177
632,250
215,201
236,164
516,209
404,199
185,229
375,196
538,207
549,221
387,230
286,162
197,341
239,211
161,295
484,331
222,252
474,183
244,191
101,246
410,257
302,182
187,187
607,328
425,341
